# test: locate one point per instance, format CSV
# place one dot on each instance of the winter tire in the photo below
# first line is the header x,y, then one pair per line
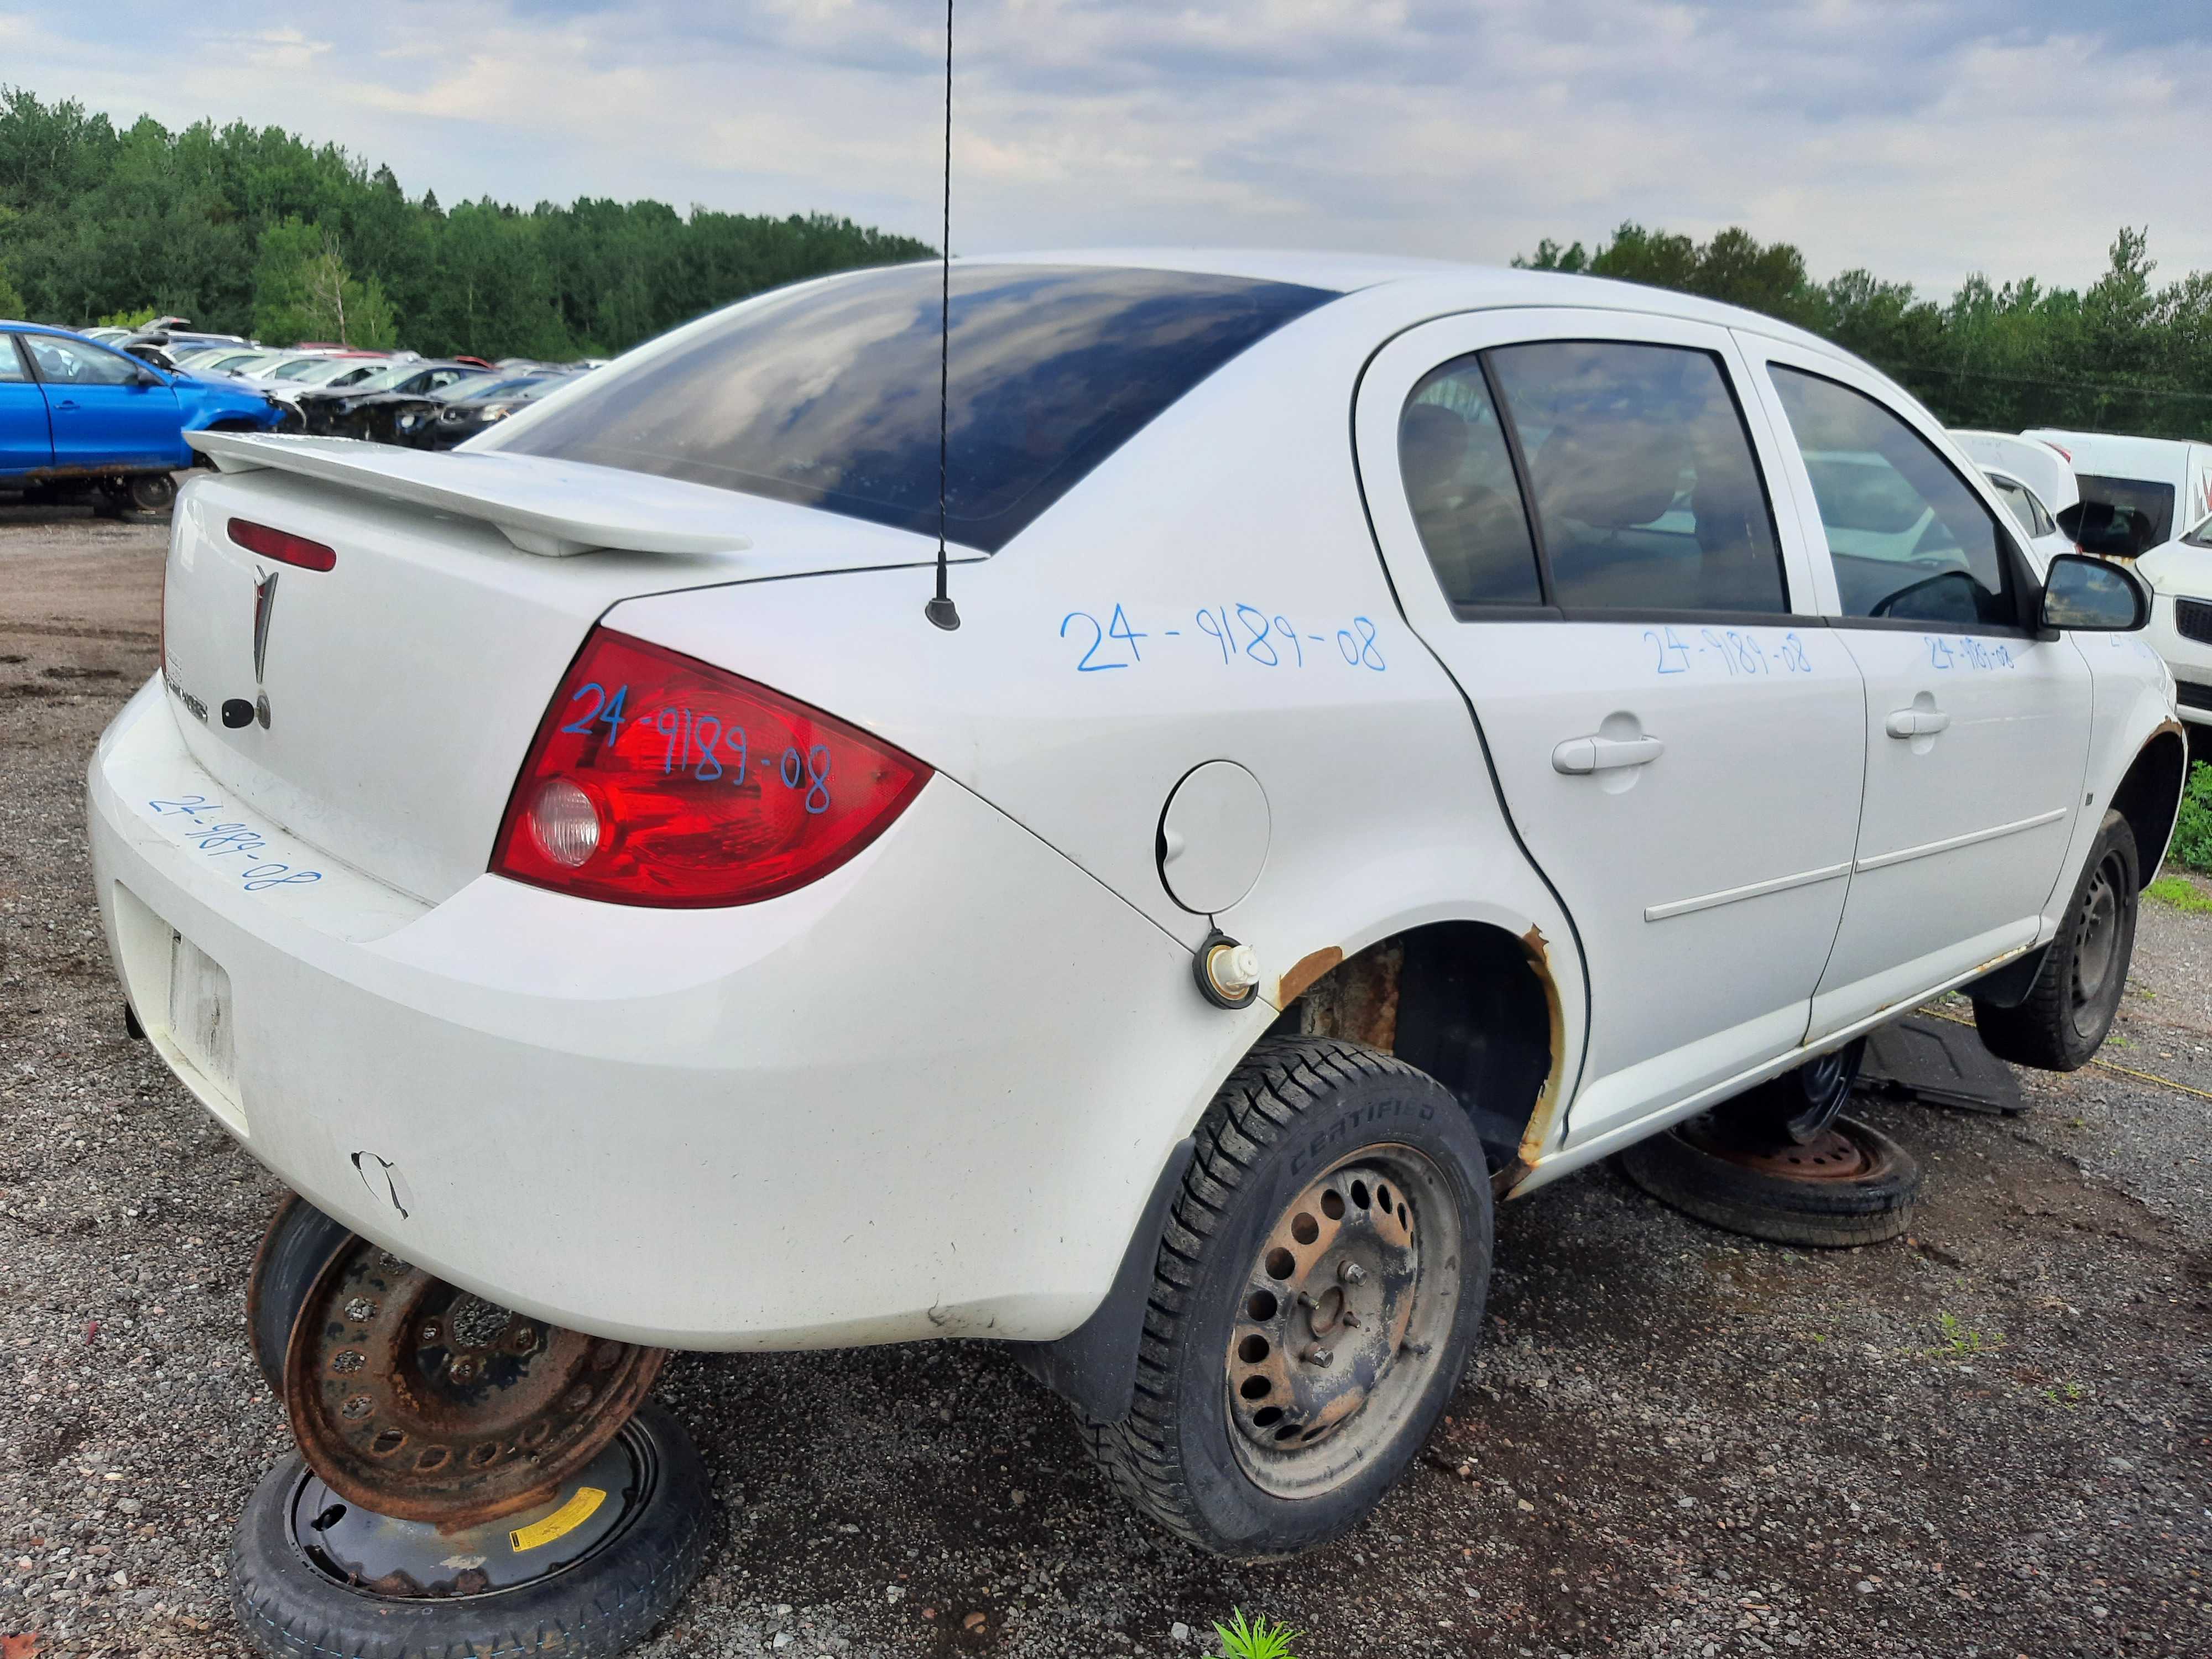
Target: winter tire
x,y
1854,1185
1799,1106
1320,1282
2064,1018
632,1545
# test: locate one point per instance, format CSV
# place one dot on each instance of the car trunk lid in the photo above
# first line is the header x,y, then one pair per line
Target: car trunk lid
x,y
390,699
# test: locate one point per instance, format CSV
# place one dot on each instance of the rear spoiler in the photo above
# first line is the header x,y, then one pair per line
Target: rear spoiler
x,y
550,508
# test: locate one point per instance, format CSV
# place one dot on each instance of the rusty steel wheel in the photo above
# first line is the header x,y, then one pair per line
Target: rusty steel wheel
x,y
1341,1324
1852,1185
1319,1283
422,1401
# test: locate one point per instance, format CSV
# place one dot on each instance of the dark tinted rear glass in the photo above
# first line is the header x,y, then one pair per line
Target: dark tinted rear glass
x,y
827,395
2153,500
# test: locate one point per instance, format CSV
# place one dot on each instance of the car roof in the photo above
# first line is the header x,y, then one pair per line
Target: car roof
x,y
1428,285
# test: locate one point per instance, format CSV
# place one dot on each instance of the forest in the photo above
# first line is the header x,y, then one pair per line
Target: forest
x,y
2123,354
257,231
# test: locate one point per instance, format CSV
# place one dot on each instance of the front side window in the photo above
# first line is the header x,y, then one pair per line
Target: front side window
x,y
78,363
2153,500
1459,481
1909,540
826,394
1646,492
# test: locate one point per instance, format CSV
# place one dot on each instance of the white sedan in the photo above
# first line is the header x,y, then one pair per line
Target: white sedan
x,y
1411,731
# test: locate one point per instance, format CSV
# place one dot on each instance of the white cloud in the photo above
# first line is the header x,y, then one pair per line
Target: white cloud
x,y
1922,142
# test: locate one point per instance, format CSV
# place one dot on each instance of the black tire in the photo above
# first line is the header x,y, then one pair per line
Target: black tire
x,y
1799,1106
1295,1112
299,1244
2064,1020
1682,1170
151,493
289,1608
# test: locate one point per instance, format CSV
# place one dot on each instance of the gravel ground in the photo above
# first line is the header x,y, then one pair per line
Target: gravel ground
x,y
1990,1439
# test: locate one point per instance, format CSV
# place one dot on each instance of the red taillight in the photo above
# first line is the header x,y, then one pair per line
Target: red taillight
x,y
282,546
656,779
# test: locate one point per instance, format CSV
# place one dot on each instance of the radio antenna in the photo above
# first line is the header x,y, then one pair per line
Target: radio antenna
x,y
941,609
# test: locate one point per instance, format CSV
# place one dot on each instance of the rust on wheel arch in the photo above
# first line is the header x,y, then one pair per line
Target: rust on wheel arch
x,y
1384,996
1544,1117
1305,972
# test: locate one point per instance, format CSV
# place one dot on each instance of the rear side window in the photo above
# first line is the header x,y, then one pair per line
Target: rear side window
x,y
78,363
11,364
827,394
1908,538
1647,496
1459,481
2153,500
2020,504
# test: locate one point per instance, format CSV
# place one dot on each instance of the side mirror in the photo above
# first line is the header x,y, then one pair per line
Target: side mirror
x,y
2091,596
2110,532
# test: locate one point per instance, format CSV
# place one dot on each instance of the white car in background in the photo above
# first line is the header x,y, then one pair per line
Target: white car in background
x,y
577,866
2179,577
2034,480
2167,480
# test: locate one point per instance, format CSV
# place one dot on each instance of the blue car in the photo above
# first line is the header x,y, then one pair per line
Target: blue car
x,y
75,412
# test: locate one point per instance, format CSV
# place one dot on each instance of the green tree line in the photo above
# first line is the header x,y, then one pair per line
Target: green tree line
x,y
256,231
2123,354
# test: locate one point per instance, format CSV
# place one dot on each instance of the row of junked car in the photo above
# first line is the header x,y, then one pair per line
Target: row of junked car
x,y
108,413
2145,501
338,391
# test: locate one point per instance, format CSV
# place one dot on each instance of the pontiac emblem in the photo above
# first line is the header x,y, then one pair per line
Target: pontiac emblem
x,y
264,607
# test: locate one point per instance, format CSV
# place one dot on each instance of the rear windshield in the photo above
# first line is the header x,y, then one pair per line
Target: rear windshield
x,y
2153,500
827,395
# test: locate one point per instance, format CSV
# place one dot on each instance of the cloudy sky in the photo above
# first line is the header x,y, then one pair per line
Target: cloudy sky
x,y
1924,138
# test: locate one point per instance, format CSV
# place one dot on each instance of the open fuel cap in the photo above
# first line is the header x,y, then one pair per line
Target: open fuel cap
x,y
1213,837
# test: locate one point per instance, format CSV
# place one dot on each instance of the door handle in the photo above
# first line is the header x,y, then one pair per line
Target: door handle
x,y
1915,722
66,402
1578,756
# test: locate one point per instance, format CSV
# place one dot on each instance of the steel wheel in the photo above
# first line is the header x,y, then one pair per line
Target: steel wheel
x,y
2097,933
1343,1321
423,1402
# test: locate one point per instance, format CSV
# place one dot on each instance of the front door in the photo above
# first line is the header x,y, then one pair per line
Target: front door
x,y
1574,511
25,445
103,413
1978,732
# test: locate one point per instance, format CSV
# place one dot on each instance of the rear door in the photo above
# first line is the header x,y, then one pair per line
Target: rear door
x,y
1574,509
103,413
1978,732
26,444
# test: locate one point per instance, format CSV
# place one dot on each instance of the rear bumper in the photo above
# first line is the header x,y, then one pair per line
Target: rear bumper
x,y
926,1096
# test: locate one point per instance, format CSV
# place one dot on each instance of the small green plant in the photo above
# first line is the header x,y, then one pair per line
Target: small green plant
x,y
2180,892
2191,848
2069,1394
1255,1639
1962,1342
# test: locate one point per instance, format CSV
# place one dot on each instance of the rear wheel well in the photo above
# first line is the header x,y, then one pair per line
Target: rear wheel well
x,y
1473,1005
2150,795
